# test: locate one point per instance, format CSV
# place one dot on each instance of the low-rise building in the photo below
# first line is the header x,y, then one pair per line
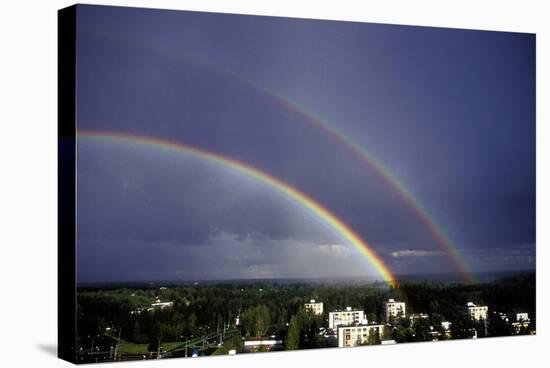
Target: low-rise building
x,y
436,335
522,321
315,307
446,325
161,305
476,312
522,317
395,309
158,304
346,317
416,316
358,335
266,344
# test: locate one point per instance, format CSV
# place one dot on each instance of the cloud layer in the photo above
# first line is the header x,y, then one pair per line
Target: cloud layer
x,y
450,112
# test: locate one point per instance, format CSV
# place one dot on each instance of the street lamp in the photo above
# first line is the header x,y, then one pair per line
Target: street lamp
x,y
205,335
158,349
186,341
118,341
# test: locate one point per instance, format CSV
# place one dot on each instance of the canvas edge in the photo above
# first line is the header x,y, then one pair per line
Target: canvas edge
x,y
66,201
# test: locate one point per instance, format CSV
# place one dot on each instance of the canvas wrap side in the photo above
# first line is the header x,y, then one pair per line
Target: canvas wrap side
x,y
66,184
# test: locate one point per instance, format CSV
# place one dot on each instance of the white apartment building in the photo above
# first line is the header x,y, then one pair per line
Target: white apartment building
x,y
357,335
394,309
522,317
315,307
346,317
477,312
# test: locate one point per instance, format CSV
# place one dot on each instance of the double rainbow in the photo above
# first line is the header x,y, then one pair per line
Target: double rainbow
x,y
391,179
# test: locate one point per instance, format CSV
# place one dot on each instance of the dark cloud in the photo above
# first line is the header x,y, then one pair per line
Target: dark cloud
x,y
450,112
222,256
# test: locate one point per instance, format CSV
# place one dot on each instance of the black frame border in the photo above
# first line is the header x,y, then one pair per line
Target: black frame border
x,y
66,189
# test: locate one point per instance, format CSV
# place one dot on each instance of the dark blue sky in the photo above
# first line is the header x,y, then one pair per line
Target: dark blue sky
x,y
450,112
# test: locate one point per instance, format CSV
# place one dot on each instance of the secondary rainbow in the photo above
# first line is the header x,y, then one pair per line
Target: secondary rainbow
x,y
302,199
390,178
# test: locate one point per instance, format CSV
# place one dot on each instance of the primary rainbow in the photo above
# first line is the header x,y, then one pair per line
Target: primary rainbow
x,y
304,200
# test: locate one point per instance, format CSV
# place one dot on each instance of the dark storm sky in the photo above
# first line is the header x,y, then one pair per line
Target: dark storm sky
x,y
450,112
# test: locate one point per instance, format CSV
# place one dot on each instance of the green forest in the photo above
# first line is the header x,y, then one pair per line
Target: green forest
x,y
121,323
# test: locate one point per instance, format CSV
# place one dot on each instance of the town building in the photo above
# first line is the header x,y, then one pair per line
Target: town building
x,y
358,335
446,326
522,317
162,305
416,316
158,304
254,345
445,331
331,336
522,321
476,312
394,309
315,307
346,317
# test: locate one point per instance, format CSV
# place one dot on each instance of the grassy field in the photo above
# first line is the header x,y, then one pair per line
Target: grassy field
x,y
141,349
131,348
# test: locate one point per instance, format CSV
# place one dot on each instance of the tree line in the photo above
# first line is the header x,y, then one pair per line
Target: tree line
x,y
277,309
